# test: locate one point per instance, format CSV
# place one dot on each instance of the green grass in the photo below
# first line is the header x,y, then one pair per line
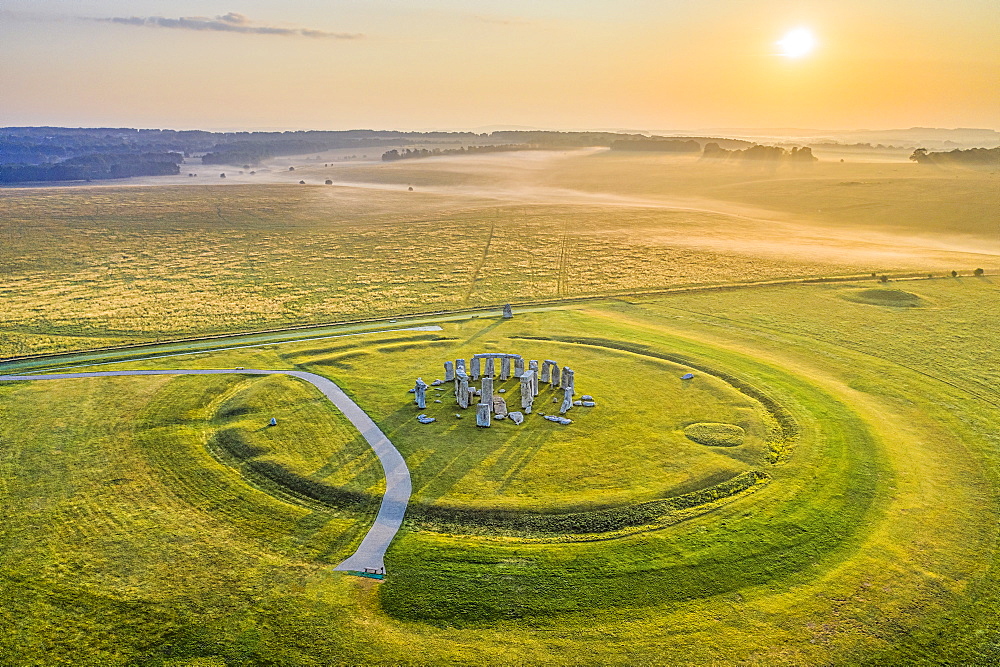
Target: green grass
x,y
895,298
715,435
131,503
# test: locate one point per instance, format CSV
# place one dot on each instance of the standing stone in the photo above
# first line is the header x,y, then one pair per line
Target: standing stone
x,y
460,366
475,368
546,366
462,393
518,367
555,376
571,382
449,371
491,367
533,366
421,393
483,415
472,396
499,406
508,312
565,377
504,368
527,390
487,391
567,401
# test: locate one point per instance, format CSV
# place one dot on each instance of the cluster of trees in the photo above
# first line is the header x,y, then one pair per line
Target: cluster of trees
x,y
96,166
394,154
760,152
656,145
973,156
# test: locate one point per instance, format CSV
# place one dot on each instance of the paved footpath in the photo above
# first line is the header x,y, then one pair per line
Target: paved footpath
x,y
371,553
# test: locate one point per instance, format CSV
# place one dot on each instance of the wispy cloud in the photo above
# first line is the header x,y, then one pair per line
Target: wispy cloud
x,y
231,22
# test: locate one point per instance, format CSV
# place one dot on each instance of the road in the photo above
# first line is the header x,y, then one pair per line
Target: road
x,y
370,554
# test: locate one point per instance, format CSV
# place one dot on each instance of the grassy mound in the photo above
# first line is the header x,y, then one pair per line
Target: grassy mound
x,y
895,298
715,435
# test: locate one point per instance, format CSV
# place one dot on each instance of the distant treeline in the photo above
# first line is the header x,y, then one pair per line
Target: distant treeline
x,y
97,166
833,145
656,145
393,155
759,152
972,156
252,152
56,153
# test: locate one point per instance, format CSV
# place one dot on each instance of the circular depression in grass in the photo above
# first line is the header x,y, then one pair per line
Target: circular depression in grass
x,y
715,434
895,298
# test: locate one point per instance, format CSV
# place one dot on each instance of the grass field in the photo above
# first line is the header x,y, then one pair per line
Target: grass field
x,y
86,267
158,521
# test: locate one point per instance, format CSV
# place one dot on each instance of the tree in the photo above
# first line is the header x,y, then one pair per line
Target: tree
x,y
883,278
978,272
954,274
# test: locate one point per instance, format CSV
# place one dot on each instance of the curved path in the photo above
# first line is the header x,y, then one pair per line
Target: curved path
x,y
370,554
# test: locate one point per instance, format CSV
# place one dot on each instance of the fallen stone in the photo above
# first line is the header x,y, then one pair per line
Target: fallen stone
x,y
437,400
458,415
587,404
424,419
516,417
687,376
586,397
499,416
501,391
578,403
437,382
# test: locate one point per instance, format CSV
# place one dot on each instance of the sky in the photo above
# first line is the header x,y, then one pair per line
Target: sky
x,y
447,64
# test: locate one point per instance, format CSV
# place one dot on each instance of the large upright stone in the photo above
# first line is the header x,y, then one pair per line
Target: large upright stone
x,y
487,391
571,382
565,377
546,368
567,401
508,312
518,367
449,371
462,393
527,390
421,393
555,376
490,369
533,365
460,366
475,368
504,368
483,415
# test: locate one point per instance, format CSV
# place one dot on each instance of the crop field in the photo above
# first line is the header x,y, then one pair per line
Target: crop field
x,y
825,490
100,265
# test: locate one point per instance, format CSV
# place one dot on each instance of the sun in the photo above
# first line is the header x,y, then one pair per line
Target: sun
x,y
797,43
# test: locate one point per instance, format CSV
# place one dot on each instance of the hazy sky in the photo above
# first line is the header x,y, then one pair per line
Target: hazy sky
x,y
409,64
